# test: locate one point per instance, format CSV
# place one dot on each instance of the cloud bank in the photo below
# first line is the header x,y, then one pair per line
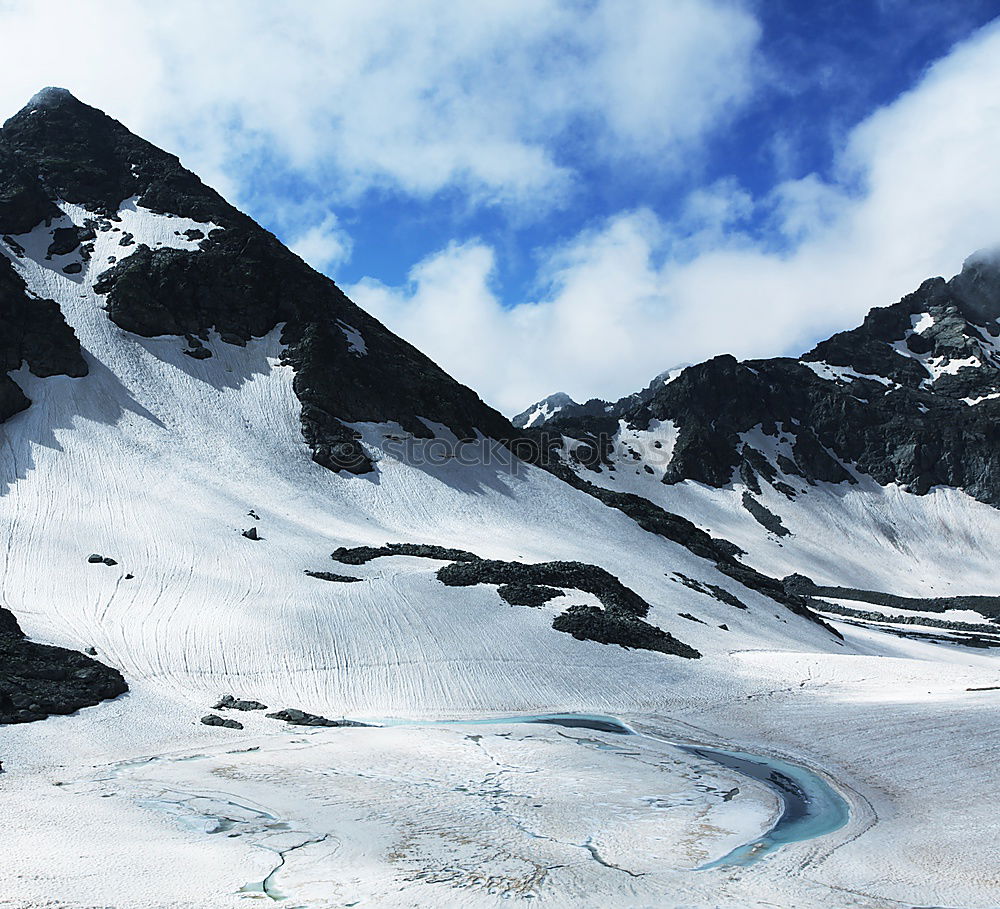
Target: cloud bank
x,y
411,96
916,190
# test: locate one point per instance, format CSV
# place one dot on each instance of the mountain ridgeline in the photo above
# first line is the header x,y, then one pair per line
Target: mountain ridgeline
x,y
912,396
241,283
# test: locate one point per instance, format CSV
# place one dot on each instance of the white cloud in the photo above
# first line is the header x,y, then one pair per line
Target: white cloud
x,y
588,334
418,97
917,191
324,246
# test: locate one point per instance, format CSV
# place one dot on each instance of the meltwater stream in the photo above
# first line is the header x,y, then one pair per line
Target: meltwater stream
x,y
811,807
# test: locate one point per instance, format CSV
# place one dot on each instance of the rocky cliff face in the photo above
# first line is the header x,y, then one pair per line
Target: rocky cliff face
x,y
32,332
241,283
912,396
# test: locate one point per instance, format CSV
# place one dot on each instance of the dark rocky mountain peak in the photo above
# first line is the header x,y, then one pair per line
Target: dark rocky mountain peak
x,y
977,286
594,411
50,96
240,282
543,410
911,396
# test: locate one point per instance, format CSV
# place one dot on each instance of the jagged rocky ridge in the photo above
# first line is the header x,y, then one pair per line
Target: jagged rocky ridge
x,y
40,680
912,396
546,409
241,282
32,332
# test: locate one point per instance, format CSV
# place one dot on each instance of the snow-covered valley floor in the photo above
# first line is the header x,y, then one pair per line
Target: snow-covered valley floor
x,y
157,459
134,803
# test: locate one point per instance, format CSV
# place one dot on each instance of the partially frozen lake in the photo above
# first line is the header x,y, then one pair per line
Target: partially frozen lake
x,y
811,807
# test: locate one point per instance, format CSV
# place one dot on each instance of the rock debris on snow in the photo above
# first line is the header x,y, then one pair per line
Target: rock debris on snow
x,y
301,718
213,720
228,702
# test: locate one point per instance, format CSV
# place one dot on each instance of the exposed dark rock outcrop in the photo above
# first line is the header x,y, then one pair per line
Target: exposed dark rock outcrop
x,y
712,590
986,606
330,576
359,555
620,621
213,720
228,702
897,619
612,593
34,332
242,282
533,595
67,239
41,680
23,201
764,516
588,623
300,718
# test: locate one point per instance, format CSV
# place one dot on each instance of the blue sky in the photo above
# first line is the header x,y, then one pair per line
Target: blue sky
x,y
548,195
823,67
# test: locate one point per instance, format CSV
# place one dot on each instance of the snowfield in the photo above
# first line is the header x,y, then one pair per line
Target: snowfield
x,y
157,459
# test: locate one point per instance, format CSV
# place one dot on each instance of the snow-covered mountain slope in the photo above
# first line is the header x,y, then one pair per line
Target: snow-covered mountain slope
x,y
173,438
880,440
190,380
230,276
158,458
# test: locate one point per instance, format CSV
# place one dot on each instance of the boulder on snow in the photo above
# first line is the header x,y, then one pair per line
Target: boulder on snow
x,y
64,241
330,576
213,720
301,718
228,702
94,558
251,534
